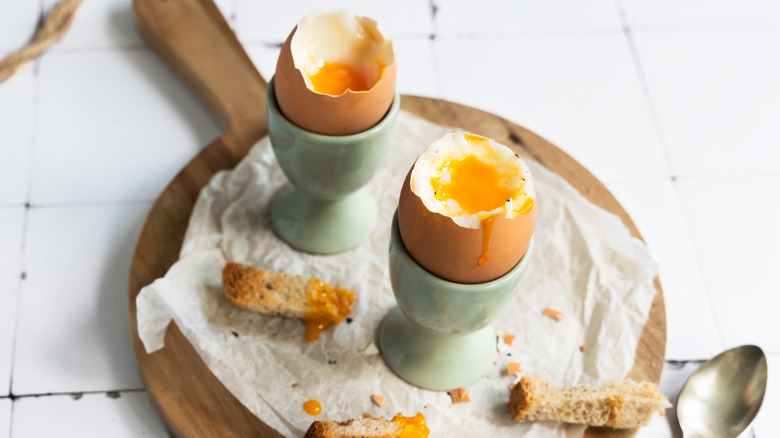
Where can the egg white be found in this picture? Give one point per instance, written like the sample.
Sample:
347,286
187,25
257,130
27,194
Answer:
340,36
430,164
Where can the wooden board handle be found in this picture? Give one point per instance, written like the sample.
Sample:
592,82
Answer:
192,37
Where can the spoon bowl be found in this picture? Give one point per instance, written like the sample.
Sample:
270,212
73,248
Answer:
722,397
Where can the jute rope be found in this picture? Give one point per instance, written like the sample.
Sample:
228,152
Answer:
56,26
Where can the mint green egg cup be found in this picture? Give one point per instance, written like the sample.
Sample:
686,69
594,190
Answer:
326,208
440,335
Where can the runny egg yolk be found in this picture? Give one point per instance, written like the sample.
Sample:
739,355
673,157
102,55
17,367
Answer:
473,184
336,78
476,187
329,306
412,427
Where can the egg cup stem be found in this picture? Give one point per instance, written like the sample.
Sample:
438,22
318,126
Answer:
322,226
431,359
440,335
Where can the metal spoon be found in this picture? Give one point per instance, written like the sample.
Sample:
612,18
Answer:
722,397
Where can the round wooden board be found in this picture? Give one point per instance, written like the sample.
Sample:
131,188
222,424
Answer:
192,37
194,403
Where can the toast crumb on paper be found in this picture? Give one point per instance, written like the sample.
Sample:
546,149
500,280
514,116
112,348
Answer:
460,395
554,314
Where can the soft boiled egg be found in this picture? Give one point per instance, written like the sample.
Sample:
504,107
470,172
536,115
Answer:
467,209
336,73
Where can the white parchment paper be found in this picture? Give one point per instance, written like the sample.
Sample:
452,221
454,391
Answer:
585,264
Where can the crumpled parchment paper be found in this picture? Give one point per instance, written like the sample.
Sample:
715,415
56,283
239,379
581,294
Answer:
585,264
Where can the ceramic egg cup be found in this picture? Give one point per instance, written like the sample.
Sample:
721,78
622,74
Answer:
440,335
326,208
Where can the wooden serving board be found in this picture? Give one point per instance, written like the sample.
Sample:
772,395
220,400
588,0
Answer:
192,37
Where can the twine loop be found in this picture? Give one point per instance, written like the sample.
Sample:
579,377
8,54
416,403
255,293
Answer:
56,26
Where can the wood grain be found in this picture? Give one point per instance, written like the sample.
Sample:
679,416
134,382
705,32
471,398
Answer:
193,39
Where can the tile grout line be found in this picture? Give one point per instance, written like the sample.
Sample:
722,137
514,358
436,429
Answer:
697,27
112,393
645,86
130,47
88,204
667,157
432,49
26,217
530,34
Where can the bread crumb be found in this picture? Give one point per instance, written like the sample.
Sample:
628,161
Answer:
509,339
554,314
460,395
582,348
513,368
378,400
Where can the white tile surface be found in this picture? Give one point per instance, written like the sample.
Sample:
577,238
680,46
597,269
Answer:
416,71
716,94
135,127
506,17
581,93
5,418
736,233
697,13
11,228
73,333
264,57
17,96
654,206
99,24
228,9
270,21
94,415
18,20
767,422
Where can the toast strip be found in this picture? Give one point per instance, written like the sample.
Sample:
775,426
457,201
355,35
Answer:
315,302
369,427
619,405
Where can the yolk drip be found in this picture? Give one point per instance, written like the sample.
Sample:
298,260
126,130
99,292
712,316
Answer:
329,306
335,79
312,407
487,230
413,427
476,187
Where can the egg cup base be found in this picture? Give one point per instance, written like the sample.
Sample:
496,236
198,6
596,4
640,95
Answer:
322,226
431,359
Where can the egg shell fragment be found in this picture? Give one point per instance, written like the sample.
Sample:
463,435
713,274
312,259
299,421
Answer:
346,114
452,252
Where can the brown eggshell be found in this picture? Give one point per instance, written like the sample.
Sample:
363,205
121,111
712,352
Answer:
349,113
451,252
